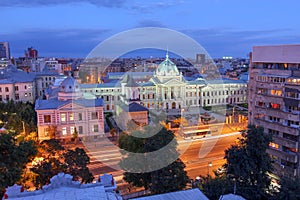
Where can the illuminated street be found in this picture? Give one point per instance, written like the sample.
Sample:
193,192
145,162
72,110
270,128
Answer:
194,165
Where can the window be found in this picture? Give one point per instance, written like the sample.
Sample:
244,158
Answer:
292,95
276,92
72,129
273,145
7,97
0,97
274,105
25,87
71,117
47,119
6,89
64,131
16,88
63,117
80,129
95,128
46,132
94,115
80,116
0,89
17,97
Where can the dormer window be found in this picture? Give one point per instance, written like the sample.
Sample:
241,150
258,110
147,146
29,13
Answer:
70,87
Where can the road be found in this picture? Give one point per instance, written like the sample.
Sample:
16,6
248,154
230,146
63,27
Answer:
211,151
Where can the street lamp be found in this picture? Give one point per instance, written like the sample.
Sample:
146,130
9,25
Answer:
209,166
181,114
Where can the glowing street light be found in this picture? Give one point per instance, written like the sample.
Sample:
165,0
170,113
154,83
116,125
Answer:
209,166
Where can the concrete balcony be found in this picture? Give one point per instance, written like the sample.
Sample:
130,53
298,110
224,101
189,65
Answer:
284,170
286,142
276,126
287,156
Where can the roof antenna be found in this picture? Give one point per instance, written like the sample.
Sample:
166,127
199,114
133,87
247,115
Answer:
167,55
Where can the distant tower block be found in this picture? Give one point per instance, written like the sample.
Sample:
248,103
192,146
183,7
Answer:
200,58
4,50
31,53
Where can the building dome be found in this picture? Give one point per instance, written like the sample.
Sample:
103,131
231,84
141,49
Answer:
167,68
69,85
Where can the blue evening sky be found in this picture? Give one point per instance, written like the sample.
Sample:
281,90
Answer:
72,28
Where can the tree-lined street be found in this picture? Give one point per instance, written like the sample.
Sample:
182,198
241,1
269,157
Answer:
195,166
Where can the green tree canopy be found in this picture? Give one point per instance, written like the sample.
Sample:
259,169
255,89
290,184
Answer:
13,159
248,162
57,159
166,179
247,168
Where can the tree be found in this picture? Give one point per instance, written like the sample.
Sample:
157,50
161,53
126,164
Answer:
180,121
77,161
213,188
166,179
75,135
289,188
13,158
57,159
248,163
51,152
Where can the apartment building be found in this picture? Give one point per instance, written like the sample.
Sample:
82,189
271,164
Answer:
274,102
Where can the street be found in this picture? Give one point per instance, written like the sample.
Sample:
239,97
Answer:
196,166
201,156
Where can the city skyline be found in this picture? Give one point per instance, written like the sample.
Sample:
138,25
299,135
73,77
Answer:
72,28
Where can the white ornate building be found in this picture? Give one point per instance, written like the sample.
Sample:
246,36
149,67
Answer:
168,90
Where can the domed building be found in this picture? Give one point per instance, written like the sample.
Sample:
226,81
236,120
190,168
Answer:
168,90
167,68
65,114
69,89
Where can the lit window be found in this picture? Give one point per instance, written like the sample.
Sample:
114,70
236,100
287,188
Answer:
64,131
72,129
276,92
274,145
71,116
46,131
63,117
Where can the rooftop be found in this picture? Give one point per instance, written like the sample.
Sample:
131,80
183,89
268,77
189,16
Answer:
193,194
55,103
62,187
276,54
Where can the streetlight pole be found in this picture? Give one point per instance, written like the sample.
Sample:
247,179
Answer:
209,166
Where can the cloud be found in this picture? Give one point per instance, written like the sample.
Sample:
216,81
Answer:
57,43
33,3
153,6
137,6
150,23
230,42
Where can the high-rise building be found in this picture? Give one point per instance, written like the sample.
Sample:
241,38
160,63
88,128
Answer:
31,53
274,102
200,58
4,50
